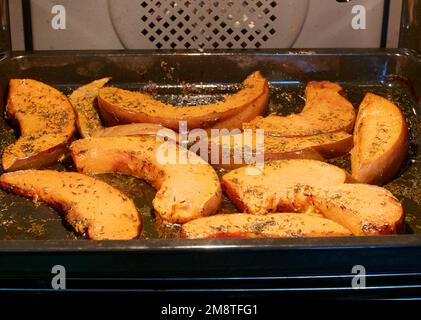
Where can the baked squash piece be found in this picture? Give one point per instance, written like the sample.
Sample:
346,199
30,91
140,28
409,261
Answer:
118,106
317,147
46,121
84,102
314,186
278,225
325,110
380,140
90,205
188,187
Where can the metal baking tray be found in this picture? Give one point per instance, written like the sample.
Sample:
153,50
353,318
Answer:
33,237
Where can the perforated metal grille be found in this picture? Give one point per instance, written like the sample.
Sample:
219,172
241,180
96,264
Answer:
208,24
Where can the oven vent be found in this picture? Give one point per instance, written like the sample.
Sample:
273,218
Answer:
209,24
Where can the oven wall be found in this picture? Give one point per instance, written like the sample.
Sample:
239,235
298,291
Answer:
112,24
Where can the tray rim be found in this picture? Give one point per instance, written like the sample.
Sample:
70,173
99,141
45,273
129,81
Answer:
329,243
292,51
410,53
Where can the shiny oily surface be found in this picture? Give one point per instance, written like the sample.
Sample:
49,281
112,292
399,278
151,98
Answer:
20,218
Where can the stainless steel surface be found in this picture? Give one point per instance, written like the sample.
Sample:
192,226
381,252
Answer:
208,24
5,44
410,32
393,30
329,25
109,24
16,25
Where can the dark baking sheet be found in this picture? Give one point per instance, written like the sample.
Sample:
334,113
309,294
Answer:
290,268
186,79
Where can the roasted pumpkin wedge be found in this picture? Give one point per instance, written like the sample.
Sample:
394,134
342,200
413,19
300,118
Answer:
84,102
118,106
381,140
325,110
188,187
279,225
316,147
258,193
90,206
46,121
363,209
136,129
